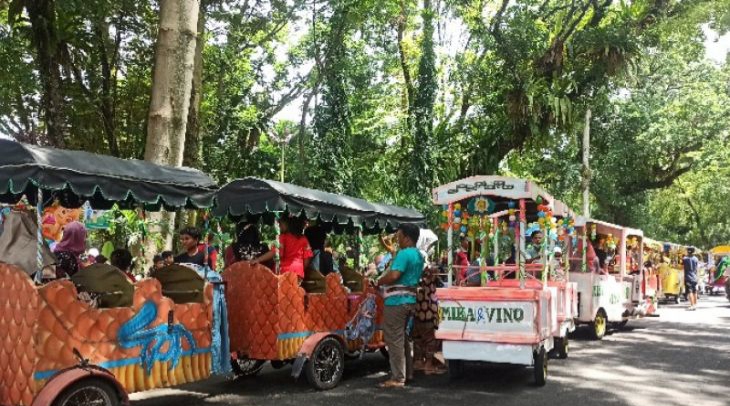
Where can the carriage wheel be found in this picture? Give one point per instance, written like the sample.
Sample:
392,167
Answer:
599,325
541,367
562,347
88,392
326,365
245,367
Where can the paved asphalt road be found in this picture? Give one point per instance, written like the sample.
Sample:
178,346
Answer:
680,358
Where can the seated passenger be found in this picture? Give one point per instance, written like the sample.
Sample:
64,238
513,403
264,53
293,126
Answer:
247,247
462,260
592,260
294,250
556,265
69,250
122,259
601,253
168,257
194,251
322,260
533,252
212,252
158,262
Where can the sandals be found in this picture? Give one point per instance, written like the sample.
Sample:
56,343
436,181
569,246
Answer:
437,370
391,384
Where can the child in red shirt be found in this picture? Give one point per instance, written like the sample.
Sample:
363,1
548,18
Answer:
462,260
294,250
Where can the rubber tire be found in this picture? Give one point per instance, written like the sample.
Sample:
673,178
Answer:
562,347
249,372
540,371
601,319
101,384
622,324
309,368
456,369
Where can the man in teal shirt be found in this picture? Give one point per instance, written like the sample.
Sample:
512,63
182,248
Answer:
401,283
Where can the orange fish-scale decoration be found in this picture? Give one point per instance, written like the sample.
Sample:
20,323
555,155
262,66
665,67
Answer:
251,293
66,324
18,315
263,307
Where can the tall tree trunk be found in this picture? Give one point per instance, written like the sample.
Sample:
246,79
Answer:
171,84
42,15
172,81
191,156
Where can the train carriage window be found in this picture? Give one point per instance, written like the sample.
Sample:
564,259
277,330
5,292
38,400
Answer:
180,283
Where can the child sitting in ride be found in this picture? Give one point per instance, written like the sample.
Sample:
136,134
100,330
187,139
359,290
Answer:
294,250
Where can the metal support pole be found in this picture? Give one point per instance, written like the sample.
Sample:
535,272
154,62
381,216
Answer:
495,254
450,244
586,184
520,239
567,250
547,255
622,252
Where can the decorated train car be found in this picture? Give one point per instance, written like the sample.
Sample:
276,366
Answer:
315,323
58,348
719,275
610,276
95,337
522,305
652,259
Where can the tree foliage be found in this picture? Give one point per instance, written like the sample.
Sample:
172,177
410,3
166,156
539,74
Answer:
385,99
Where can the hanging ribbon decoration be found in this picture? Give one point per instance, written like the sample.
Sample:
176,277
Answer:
39,236
143,230
358,246
277,244
206,234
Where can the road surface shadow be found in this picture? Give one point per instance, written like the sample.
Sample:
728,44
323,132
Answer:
677,359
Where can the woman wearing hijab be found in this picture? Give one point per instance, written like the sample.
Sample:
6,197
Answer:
68,251
247,247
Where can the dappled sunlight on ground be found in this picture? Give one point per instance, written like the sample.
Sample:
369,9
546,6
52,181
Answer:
680,358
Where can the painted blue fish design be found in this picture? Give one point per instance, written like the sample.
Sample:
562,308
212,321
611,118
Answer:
134,333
